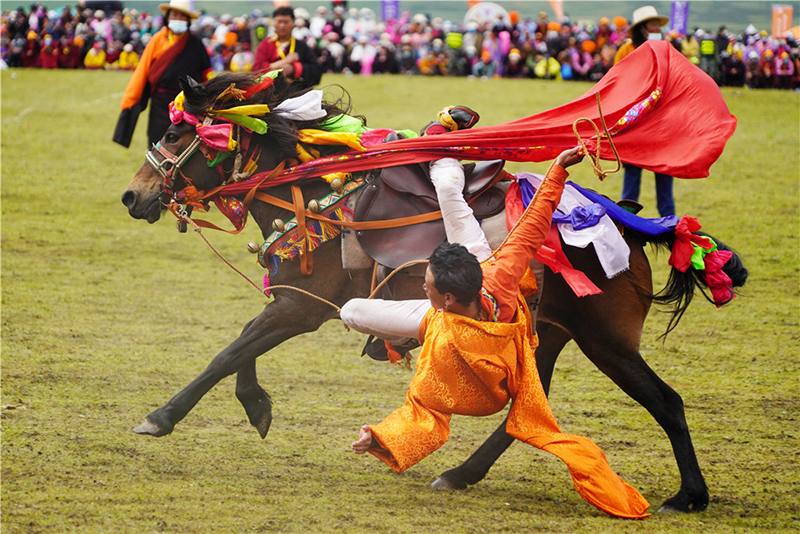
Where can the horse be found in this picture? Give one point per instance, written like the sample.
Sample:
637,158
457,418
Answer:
610,341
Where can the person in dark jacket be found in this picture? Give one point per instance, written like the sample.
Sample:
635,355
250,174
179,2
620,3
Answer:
172,53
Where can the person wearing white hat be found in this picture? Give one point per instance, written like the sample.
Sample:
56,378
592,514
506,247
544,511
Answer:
172,53
645,26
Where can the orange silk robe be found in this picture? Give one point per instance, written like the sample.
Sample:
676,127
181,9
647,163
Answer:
470,367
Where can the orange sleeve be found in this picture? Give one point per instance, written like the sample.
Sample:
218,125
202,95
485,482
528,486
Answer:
502,278
158,43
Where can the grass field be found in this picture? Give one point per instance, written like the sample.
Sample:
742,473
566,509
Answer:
104,318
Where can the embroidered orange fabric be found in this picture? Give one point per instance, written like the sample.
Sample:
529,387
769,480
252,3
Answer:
470,367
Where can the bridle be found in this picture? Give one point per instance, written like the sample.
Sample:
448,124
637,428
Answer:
168,167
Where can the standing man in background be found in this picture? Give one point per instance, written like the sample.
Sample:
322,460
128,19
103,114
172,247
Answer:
172,53
646,26
282,51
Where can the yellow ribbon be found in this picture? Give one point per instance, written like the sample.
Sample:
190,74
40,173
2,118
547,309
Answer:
321,137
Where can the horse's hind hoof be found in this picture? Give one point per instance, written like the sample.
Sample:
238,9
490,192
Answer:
445,482
151,429
683,504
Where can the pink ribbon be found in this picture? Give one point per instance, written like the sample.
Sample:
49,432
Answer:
717,280
214,136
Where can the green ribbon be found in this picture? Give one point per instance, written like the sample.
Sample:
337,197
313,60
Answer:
698,258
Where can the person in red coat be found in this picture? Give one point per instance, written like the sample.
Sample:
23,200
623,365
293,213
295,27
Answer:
49,56
282,51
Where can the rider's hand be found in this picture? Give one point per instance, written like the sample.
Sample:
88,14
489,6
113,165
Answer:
569,157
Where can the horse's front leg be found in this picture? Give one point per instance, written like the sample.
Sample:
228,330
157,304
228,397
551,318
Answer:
281,320
257,402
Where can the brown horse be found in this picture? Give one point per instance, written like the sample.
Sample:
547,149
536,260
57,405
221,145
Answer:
610,341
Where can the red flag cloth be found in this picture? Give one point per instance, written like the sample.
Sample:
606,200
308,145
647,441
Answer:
664,114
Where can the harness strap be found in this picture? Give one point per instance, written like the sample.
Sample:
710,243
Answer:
306,261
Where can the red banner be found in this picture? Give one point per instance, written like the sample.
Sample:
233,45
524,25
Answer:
665,115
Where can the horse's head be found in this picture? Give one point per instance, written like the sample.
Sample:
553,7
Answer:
194,151
163,175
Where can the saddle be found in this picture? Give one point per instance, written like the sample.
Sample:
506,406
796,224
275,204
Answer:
407,191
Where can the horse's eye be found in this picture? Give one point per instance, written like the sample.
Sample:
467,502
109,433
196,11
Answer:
170,137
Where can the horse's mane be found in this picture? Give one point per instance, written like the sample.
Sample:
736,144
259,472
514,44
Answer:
281,130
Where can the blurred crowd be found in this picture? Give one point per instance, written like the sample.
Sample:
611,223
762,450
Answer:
354,41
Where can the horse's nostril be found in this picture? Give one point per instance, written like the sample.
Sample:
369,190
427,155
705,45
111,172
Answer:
129,198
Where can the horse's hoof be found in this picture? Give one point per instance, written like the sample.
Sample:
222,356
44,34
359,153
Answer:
667,509
151,429
683,503
263,424
444,482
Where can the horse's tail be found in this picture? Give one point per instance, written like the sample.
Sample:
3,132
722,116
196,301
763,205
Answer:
679,291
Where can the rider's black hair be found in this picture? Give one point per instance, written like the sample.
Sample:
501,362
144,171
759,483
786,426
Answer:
457,272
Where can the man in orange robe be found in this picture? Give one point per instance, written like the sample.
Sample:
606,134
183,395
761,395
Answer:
478,347
172,53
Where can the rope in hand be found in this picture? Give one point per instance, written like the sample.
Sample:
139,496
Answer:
595,158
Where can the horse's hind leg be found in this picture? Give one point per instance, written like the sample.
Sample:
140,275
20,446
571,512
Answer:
625,366
551,341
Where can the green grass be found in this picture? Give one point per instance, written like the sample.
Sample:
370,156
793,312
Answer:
104,318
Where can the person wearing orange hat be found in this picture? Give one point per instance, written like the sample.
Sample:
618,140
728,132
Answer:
172,53
646,25
767,67
784,71
282,51
602,34
31,50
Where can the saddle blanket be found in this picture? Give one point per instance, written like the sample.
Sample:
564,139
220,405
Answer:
584,216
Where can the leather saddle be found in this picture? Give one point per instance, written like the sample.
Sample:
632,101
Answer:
407,191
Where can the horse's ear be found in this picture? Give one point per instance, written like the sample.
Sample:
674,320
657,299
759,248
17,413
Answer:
188,85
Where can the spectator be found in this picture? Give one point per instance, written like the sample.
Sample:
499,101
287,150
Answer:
128,58
767,69
70,56
784,71
96,57
732,69
172,52
690,48
30,50
282,51
709,57
752,74
48,57
243,58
